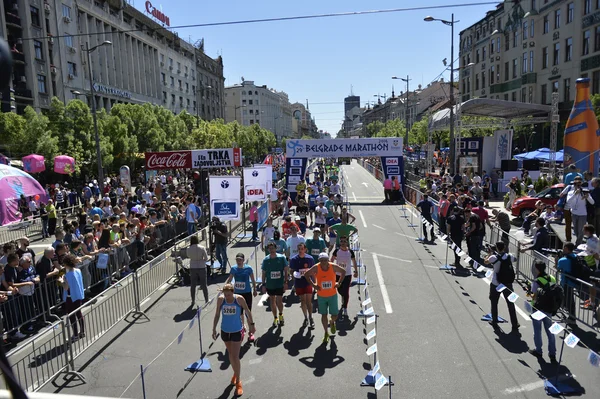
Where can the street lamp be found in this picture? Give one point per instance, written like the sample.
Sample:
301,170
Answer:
236,107
452,143
89,51
406,107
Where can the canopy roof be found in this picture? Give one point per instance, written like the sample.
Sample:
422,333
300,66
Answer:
506,112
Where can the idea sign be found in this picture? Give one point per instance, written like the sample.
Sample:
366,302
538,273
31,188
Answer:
168,160
255,193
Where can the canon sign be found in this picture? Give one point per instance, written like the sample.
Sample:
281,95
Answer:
157,14
168,160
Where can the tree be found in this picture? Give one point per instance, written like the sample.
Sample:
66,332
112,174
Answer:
12,133
38,137
373,128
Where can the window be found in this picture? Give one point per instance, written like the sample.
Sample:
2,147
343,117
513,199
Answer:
164,96
477,56
525,30
492,44
568,49
172,98
544,94
69,41
567,94
163,77
35,20
524,64
555,86
179,66
188,102
506,97
162,58
597,4
531,61
187,87
533,5
250,102
531,28
546,24
506,71
514,96
595,82
545,58
483,79
66,10
172,81
492,74
585,47
251,112
72,68
523,95
498,44
570,12
484,52
556,54
194,89
557,19
170,61
515,38
506,42
587,7
194,104
186,69
597,38
515,68
41,79
37,45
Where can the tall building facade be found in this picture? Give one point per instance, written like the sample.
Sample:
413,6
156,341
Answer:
303,119
143,63
248,104
524,51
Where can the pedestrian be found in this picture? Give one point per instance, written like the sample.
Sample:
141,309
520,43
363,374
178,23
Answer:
191,216
387,189
73,295
443,213
198,258
253,217
503,277
267,234
52,218
456,225
540,288
219,230
325,284
245,283
425,206
568,281
503,221
474,235
577,198
275,275
300,264
231,306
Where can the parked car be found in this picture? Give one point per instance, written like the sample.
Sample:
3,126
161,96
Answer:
525,205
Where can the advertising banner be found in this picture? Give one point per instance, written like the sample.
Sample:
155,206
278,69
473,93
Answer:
503,145
344,148
168,160
217,158
393,166
263,214
125,175
295,170
225,197
255,184
269,172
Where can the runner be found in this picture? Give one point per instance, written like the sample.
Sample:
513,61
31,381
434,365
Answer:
344,257
332,236
267,234
292,242
320,216
243,274
312,205
301,263
325,285
279,242
343,229
232,331
315,245
274,274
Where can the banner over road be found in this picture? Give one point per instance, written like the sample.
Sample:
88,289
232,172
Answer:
344,148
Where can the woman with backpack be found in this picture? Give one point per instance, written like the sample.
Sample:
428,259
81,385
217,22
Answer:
504,274
547,297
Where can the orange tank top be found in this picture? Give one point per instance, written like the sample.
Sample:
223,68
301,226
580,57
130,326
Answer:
326,280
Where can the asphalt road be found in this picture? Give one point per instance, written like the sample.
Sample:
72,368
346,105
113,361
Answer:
429,334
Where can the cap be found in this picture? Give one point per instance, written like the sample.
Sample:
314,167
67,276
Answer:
317,229
530,186
323,255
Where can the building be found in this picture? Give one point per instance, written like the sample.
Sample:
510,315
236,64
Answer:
524,51
304,122
142,63
249,104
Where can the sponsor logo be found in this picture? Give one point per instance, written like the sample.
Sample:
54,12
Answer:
391,161
224,208
393,170
255,192
224,184
168,160
297,162
157,14
255,173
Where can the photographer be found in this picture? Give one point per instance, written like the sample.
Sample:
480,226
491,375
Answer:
221,238
576,199
504,274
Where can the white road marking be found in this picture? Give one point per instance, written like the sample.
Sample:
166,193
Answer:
263,299
255,361
379,227
407,236
384,293
432,267
365,184
520,311
144,301
354,196
525,387
362,218
349,184
394,258
250,380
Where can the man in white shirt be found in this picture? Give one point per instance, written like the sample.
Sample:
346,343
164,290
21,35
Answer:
345,257
576,204
335,188
476,179
321,216
501,261
292,242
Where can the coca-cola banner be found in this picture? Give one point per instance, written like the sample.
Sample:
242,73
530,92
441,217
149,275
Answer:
217,158
169,160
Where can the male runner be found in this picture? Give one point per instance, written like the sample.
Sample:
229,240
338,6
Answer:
300,264
344,257
325,285
274,274
343,230
315,245
292,242
243,274
332,236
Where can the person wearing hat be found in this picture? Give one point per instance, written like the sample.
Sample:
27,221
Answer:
315,245
323,279
531,191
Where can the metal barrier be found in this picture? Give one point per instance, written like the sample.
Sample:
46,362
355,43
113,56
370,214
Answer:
31,226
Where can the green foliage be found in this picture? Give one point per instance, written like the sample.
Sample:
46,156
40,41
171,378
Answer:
540,184
374,128
124,133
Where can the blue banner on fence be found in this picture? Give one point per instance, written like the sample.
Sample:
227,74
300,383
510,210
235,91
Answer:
263,214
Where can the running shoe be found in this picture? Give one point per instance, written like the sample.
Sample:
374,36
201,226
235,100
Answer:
275,322
333,328
238,389
326,338
281,321
305,322
311,323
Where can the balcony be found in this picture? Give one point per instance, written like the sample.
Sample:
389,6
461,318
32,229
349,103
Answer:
19,92
13,20
18,57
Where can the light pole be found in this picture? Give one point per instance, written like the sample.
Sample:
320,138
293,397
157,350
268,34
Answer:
236,107
450,23
89,52
406,108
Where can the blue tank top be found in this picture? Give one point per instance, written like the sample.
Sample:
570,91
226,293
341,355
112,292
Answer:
232,316
242,279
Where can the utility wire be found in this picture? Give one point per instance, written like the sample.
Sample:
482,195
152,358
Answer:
278,19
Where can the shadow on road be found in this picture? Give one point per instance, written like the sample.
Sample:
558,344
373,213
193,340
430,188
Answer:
323,359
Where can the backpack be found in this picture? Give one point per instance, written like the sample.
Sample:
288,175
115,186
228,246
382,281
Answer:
549,296
506,274
579,268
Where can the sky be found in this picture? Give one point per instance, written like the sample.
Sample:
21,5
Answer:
323,60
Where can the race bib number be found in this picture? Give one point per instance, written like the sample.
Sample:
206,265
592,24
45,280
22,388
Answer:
275,275
302,271
240,285
229,310
326,285
315,251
